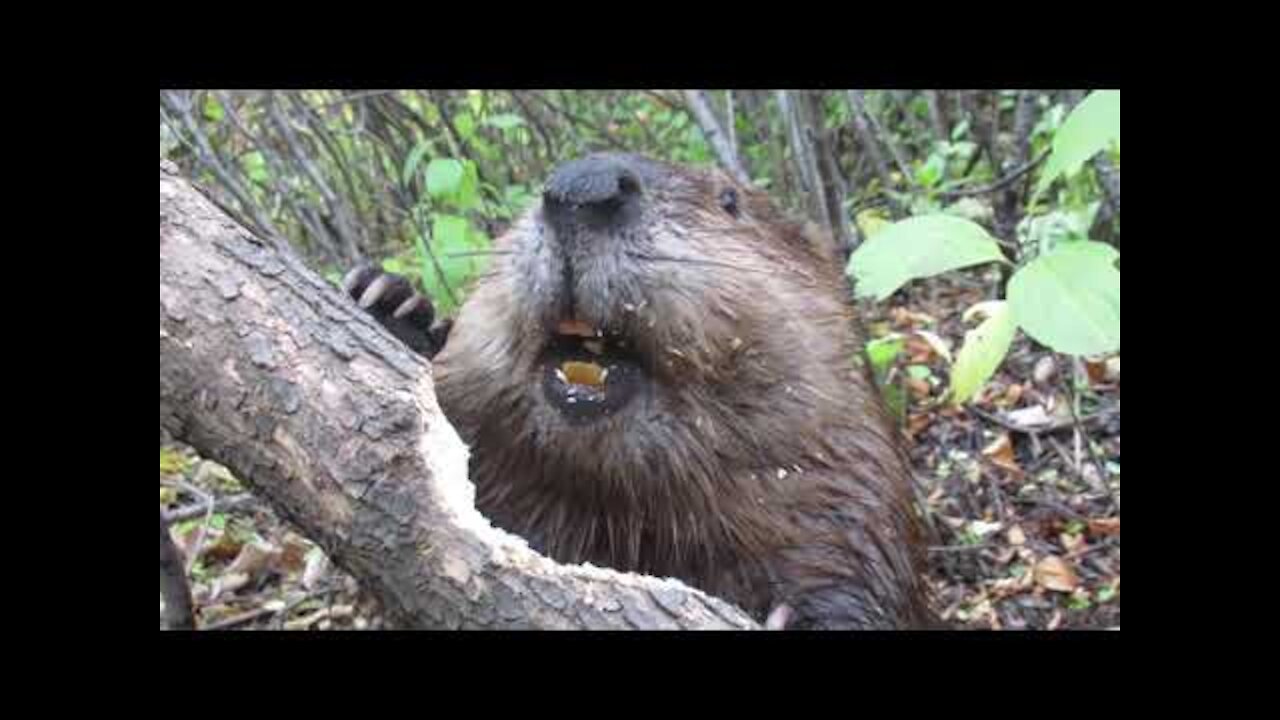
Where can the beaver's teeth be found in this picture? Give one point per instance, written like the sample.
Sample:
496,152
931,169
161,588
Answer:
583,373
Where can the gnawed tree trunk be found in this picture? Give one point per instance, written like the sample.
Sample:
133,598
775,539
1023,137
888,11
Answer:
271,371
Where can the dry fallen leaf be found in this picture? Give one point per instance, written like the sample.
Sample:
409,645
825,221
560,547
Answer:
1053,573
936,344
1096,370
917,422
1103,527
228,583
1044,370
1000,452
919,388
254,557
982,528
293,553
316,569
221,546
1012,395
1029,418
1016,536
1055,621
1072,543
918,350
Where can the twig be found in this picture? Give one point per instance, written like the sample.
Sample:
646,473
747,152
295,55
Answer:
207,500
962,548
1098,464
195,510
701,109
179,105
859,108
1000,184
254,614
664,100
1048,428
357,96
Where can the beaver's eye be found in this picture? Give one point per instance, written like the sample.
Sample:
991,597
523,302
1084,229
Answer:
729,201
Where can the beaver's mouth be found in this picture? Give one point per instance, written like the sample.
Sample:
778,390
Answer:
588,374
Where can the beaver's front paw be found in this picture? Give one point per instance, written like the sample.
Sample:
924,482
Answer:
393,302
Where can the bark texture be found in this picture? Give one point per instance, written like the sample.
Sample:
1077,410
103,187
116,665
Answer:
271,371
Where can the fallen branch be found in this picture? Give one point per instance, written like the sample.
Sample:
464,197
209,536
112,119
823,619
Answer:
270,371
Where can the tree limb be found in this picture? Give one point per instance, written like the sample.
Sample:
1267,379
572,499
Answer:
272,372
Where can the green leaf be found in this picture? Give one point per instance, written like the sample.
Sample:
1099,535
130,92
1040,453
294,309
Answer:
515,197
872,221
172,462
212,108
255,166
393,265
465,125
919,372
468,194
918,247
444,176
415,157
882,351
1069,298
930,174
1090,128
895,399
982,352
504,121
449,233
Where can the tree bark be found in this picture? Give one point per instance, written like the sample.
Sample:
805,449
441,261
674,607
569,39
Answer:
271,371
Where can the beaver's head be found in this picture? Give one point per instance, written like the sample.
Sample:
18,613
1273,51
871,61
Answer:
649,317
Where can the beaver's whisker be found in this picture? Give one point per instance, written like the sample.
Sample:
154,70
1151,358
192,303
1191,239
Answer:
692,261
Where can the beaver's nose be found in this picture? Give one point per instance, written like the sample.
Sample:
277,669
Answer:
596,191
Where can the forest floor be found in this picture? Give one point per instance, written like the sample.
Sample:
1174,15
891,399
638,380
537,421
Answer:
1021,486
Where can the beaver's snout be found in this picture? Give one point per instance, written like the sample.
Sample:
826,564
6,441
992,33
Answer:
598,191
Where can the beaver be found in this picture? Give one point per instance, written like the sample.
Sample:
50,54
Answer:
660,373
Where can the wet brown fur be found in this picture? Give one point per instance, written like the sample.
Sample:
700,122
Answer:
763,468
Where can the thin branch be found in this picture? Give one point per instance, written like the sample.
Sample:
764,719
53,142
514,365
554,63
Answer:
937,115
179,105
868,139
999,184
199,508
859,107
701,109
